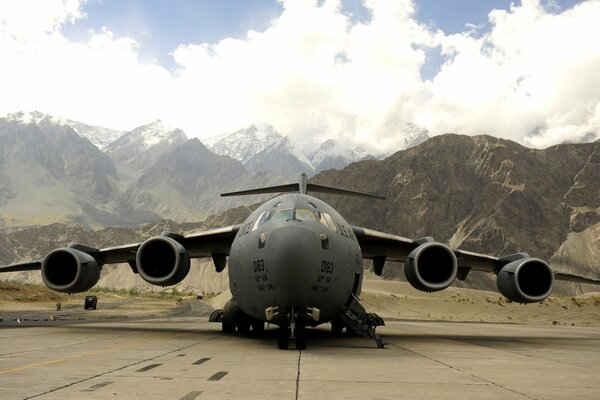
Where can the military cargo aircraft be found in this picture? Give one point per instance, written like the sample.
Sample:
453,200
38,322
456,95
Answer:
296,263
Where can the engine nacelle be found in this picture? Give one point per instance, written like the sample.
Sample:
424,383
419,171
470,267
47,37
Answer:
70,270
162,261
527,280
431,267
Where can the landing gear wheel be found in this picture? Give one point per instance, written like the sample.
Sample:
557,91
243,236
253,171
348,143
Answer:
336,327
283,340
227,327
258,327
300,338
351,332
243,327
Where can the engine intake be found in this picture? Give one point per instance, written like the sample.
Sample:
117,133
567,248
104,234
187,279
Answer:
431,267
162,261
68,270
527,280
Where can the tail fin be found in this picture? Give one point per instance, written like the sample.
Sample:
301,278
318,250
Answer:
303,187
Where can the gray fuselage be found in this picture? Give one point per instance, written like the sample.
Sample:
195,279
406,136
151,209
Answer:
295,251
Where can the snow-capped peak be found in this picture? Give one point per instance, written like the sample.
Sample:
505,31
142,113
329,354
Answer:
34,117
332,155
100,136
150,135
245,143
414,135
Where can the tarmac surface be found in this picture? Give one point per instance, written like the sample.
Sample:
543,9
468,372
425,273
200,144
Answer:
182,356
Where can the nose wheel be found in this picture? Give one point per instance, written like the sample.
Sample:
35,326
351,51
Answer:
300,333
297,333
283,340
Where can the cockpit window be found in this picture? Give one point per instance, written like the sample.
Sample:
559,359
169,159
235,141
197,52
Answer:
264,217
284,214
300,214
326,220
305,215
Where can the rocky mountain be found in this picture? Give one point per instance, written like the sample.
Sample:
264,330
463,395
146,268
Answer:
185,183
144,145
178,184
280,159
262,148
244,144
477,193
101,137
330,155
414,135
484,194
48,173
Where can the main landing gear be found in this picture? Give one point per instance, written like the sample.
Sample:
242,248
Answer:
243,323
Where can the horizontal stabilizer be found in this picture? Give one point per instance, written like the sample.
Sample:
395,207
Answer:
302,187
292,187
311,187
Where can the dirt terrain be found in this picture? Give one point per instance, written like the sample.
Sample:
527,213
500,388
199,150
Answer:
390,299
399,300
40,303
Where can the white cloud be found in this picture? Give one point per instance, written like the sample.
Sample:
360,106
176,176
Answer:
315,73
32,19
534,78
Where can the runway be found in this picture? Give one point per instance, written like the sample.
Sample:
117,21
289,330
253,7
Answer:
184,357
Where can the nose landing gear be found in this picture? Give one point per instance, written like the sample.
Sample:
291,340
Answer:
298,333
293,331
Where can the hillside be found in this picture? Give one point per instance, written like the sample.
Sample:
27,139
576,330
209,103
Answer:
478,193
484,194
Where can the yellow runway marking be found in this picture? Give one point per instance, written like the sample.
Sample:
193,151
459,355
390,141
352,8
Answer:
89,353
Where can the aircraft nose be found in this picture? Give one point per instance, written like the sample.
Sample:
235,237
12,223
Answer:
293,249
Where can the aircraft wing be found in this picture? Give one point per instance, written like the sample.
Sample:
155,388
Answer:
387,247
26,266
198,244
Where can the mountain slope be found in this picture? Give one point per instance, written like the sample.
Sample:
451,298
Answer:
99,136
49,173
482,194
244,144
143,146
279,158
478,193
330,155
182,184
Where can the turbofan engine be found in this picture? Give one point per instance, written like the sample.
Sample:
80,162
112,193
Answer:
431,267
162,261
527,280
69,270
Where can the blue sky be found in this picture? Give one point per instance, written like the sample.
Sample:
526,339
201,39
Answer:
360,73
159,26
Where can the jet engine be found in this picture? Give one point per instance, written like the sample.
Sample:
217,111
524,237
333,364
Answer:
431,267
162,261
527,280
69,270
